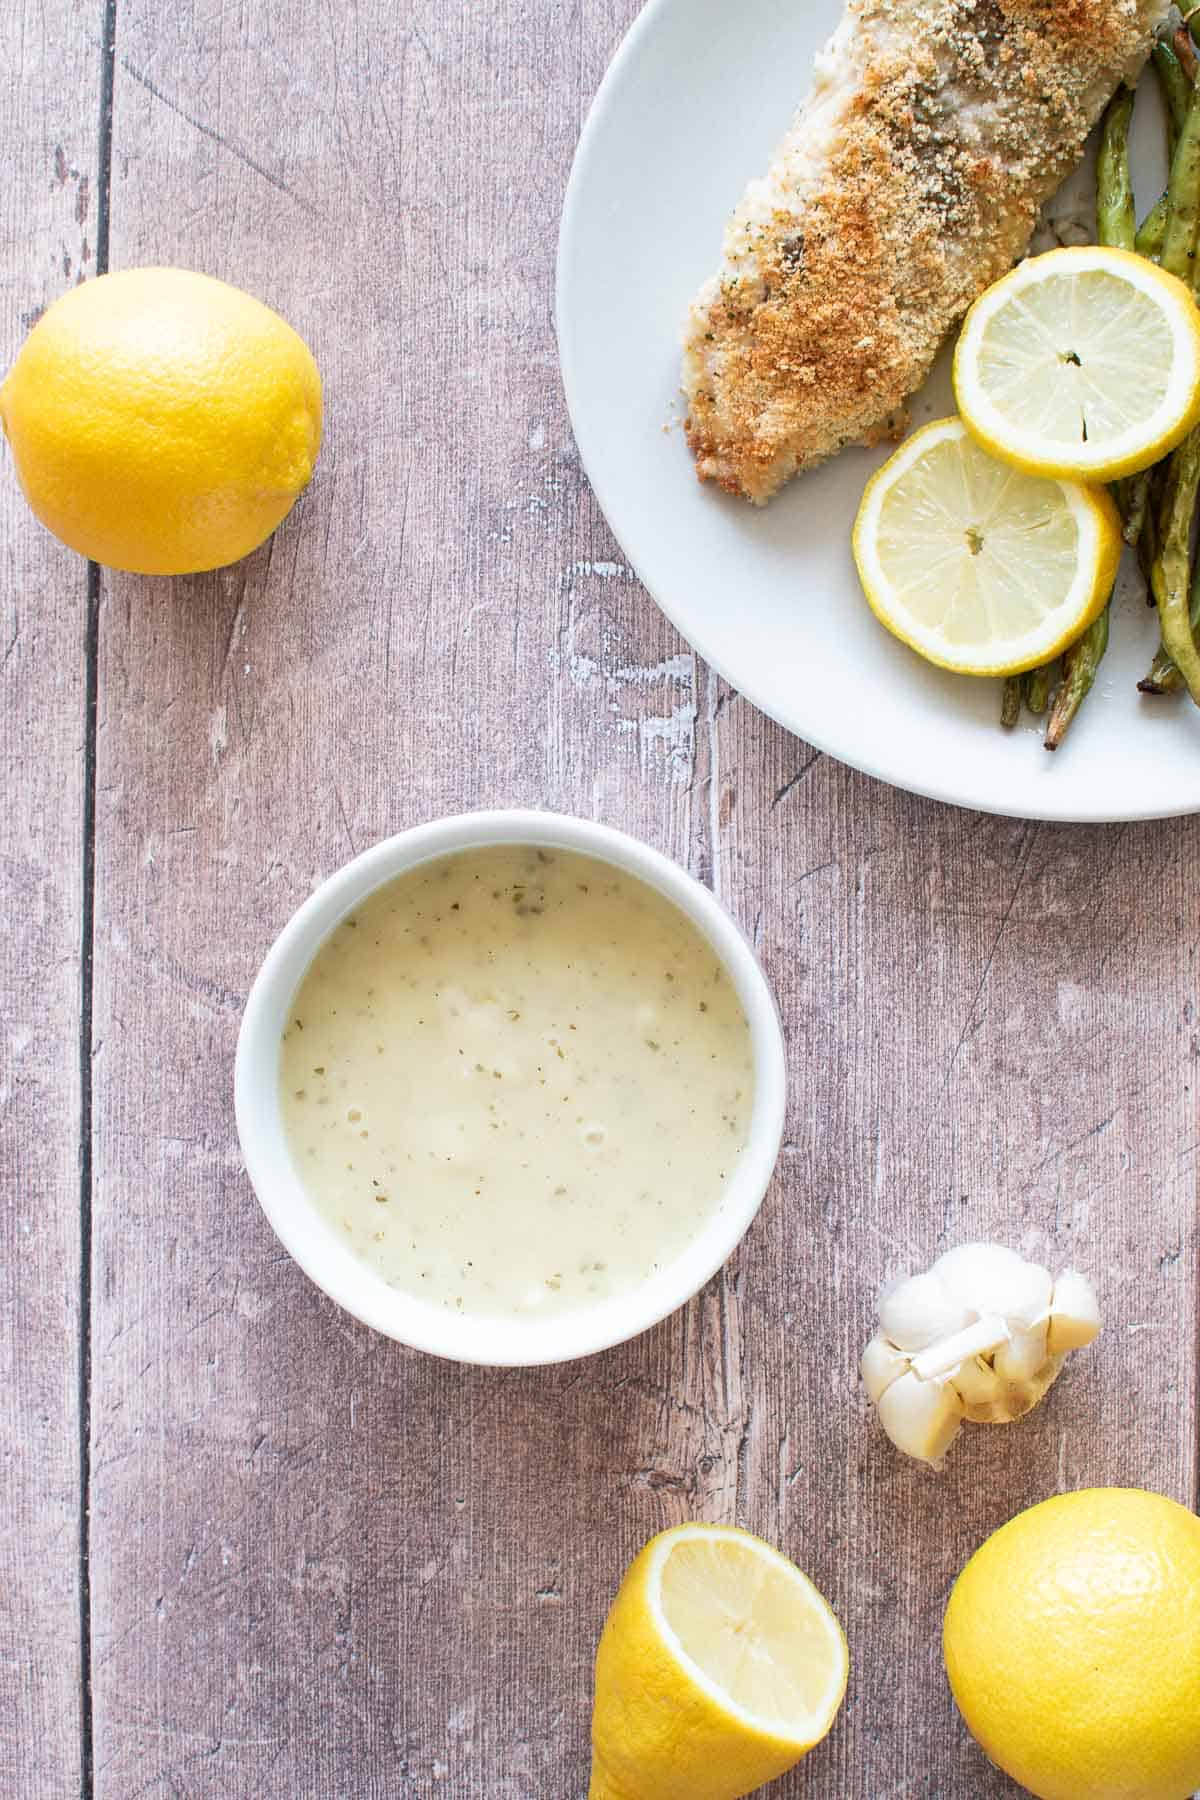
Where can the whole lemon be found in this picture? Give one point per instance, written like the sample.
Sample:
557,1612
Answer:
162,421
1072,1643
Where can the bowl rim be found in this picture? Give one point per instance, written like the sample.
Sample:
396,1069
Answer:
311,1241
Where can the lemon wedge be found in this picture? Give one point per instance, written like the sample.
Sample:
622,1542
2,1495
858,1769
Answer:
1082,363
719,1667
977,566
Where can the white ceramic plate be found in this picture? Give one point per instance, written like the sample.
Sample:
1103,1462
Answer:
691,107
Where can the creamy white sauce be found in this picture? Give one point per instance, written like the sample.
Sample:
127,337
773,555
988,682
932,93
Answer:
516,1081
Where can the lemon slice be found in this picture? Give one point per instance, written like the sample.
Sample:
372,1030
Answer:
977,566
719,1666
1083,363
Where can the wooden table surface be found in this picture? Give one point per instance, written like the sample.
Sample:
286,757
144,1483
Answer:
251,1548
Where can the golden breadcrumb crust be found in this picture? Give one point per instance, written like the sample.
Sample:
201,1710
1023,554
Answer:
959,118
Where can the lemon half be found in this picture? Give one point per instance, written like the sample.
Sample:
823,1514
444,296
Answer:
976,565
1082,363
1072,1644
719,1667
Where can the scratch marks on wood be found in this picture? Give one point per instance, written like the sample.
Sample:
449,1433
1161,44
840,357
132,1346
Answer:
1076,1143
64,173
970,1019
794,780
662,1397
401,530
237,630
218,997
659,1480
217,137
345,821
218,735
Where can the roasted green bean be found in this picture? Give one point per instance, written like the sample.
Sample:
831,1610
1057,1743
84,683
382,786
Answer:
1116,222
1171,569
1080,663
1038,683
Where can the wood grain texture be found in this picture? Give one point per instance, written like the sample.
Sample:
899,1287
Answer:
326,1568
49,102
992,1033
322,1566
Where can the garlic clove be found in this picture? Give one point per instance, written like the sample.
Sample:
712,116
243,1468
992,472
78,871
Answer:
881,1364
979,1386
1029,1296
990,1278
1074,1314
966,1262
1023,1355
1020,1397
922,1418
918,1311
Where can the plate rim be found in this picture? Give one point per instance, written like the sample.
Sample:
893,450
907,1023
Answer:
640,27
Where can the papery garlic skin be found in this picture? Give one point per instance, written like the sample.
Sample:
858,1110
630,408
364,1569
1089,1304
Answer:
980,1336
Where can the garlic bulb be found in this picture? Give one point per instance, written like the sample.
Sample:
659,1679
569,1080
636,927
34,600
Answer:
980,1336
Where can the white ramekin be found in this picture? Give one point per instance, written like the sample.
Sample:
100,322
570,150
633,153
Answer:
319,1250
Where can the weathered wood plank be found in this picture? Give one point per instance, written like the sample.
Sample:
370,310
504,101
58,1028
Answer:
325,1566
49,87
991,1030
321,1565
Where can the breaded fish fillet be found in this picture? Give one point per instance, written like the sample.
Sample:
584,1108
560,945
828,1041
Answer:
911,179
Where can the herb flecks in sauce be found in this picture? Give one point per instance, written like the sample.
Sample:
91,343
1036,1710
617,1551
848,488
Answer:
541,1082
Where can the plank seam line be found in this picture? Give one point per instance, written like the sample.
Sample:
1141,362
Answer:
108,45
